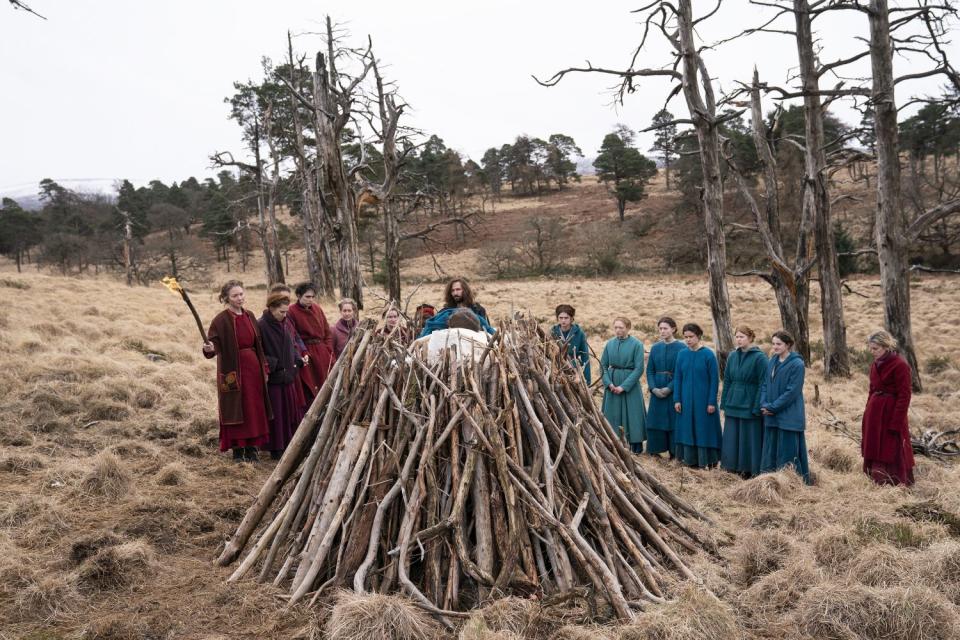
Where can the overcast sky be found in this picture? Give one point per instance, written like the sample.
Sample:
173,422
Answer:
109,89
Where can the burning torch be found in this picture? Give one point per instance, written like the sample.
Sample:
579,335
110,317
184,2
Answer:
174,286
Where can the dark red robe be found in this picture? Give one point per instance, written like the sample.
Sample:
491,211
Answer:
244,407
311,325
886,449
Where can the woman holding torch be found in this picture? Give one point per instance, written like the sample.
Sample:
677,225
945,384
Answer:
244,405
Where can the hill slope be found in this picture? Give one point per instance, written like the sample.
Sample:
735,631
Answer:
114,500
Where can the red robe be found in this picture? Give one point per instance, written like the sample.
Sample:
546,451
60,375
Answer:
244,407
886,449
311,325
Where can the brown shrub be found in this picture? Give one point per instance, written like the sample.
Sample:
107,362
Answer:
172,474
87,545
834,457
127,627
758,553
107,477
766,601
939,568
106,410
20,464
167,523
834,547
578,632
525,617
767,488
695,614
117,566
379,617
880,566
835,611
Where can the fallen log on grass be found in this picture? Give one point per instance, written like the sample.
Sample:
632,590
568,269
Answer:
463,480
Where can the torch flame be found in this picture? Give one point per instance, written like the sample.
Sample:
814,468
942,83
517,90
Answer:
172,284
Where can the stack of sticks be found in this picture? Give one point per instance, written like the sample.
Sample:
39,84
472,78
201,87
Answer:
461,481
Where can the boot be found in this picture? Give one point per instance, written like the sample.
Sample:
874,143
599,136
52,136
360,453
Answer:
238,454
250,455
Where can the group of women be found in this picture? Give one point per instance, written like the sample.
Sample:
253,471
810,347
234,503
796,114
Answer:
270,369
761,400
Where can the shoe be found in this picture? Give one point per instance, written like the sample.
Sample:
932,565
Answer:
250,455
238,454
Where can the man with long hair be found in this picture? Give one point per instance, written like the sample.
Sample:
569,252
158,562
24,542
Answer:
459,295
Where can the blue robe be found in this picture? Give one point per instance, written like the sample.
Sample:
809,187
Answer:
783,432
442,319
740,402
660,413
622,365
697,433
577,348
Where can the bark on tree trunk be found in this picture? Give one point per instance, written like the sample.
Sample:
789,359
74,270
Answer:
891,220
702,112
836,360
336,196
391,258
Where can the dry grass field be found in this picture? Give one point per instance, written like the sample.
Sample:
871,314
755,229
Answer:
114,500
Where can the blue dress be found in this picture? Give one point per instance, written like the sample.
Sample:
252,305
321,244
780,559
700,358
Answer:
740,401
783,432
660,413
622,365
697,433
577,347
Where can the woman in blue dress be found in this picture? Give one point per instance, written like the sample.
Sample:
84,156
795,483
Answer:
661,363
740,402
697,432
573,336
622,366
784,416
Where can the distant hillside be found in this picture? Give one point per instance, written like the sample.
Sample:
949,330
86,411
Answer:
27,194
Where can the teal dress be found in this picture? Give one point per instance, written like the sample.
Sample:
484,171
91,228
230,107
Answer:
697,432
740,402
660,413
577,348
783,432
622,366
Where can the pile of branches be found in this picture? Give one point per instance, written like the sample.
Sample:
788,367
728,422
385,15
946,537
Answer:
944,445
460,481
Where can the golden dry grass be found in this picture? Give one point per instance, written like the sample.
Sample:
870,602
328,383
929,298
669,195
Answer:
114,499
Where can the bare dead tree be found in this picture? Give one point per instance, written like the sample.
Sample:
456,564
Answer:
316,238
677,24
790,282
22,6
890,34
338,99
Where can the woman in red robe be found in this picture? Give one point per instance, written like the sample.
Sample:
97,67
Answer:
244,407
886,449
311,325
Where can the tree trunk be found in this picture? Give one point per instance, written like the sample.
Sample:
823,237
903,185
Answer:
836,360
891,222
391,257
336,196
276,266
788,284
702,113
269,263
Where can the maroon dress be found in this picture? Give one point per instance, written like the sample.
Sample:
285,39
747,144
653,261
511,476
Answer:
887,452
254,431
311,324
